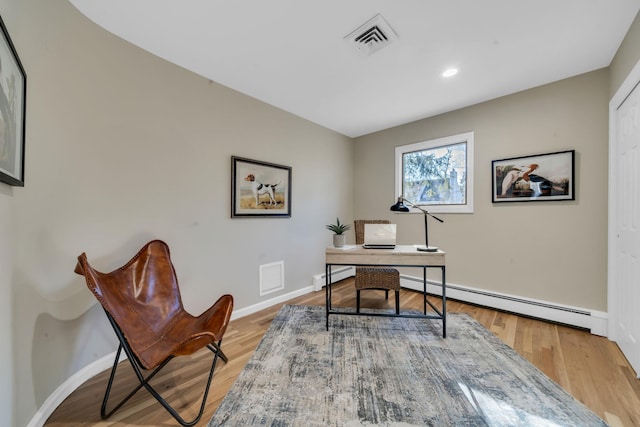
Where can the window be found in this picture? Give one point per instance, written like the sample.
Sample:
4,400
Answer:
437,175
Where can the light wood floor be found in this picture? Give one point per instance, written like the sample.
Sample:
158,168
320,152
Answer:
589,367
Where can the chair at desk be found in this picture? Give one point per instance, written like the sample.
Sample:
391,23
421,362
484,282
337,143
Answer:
375,277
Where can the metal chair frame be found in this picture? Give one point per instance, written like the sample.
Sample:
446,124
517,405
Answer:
144,381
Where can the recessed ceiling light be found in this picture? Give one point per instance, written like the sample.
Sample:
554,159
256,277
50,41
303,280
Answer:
450,72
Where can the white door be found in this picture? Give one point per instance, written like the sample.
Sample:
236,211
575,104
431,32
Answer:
625,308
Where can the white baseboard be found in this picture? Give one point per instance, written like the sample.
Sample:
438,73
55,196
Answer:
268,303
595,321
65,389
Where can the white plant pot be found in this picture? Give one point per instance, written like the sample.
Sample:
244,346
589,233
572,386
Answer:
339,240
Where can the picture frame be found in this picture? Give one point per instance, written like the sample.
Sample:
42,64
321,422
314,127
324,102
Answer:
540,177
260,189
13,94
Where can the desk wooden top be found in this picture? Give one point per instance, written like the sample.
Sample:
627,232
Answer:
401,255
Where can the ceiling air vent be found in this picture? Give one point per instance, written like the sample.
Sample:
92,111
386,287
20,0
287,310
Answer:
372,36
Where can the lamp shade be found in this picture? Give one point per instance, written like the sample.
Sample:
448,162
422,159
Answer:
399,206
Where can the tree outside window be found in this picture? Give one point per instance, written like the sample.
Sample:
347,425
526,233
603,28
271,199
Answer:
435,174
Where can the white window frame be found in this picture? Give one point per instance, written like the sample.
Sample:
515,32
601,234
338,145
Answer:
434,144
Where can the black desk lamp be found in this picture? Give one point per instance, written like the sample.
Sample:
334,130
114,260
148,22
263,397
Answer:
400,207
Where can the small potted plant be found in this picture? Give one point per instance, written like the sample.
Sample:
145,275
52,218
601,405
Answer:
338,230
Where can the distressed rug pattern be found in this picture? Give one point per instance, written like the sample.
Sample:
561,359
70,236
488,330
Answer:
379,371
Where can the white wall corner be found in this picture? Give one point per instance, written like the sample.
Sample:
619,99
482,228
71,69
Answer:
599,323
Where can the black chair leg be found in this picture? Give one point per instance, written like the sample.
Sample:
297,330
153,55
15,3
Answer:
144,381
386,294
397,302
358,301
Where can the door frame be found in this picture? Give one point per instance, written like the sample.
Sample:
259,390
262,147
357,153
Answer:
630,82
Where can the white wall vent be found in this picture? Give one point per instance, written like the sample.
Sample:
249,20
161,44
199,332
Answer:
372,36
271,277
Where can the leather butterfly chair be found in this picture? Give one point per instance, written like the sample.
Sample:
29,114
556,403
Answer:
375,277
143,304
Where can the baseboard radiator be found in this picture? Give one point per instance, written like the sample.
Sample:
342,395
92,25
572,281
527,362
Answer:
337,274
592,320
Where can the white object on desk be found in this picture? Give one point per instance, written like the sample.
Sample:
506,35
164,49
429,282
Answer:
345,247
379,235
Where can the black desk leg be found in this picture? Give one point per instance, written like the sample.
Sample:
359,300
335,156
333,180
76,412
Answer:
424,289
444,303
327,288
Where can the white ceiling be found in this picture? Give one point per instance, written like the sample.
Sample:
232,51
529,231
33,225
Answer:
292,53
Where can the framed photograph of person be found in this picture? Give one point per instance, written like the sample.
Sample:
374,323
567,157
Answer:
13,93
541,177
260,189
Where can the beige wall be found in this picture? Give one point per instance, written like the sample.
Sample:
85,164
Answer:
6,307
552,251
123,147
626,58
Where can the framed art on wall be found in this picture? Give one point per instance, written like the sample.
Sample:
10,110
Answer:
13,91
259,189
541,177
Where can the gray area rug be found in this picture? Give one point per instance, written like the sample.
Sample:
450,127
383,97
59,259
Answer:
378,371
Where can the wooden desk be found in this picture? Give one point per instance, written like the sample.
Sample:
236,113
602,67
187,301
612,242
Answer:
401,256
